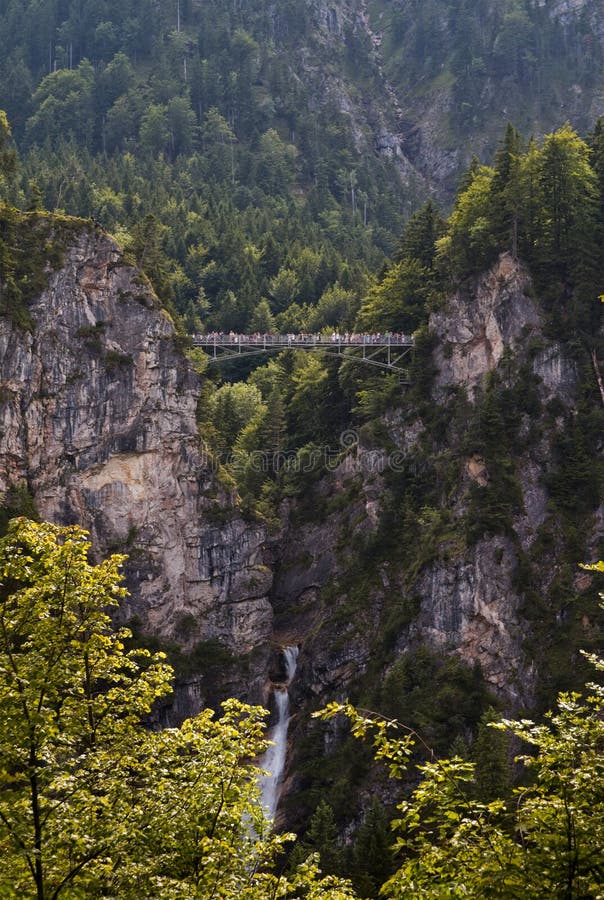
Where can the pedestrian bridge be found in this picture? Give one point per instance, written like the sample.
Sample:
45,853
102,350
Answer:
385,351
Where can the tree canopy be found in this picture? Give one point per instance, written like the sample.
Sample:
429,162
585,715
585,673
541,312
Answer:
93,801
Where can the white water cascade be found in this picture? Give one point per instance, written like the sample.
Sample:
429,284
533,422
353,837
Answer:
273,760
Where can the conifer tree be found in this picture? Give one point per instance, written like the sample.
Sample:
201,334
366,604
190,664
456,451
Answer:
372,857
569,195
505,194
531,207
262,320
596,144
322,837
421,232
491,755
8,155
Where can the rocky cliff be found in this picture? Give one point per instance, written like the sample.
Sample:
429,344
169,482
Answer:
98,419
445,77
454,539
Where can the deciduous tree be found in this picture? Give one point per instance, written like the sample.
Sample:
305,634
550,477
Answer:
93,803
547,842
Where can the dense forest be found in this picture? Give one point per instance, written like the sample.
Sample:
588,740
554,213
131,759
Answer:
230,148
183,131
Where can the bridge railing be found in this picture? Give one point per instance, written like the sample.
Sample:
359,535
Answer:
287,340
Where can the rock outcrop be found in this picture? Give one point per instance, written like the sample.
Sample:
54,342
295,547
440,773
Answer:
98,418
466,599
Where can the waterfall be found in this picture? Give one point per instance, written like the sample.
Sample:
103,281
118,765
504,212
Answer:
273,760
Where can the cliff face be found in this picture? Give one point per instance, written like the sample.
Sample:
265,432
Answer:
98,418
441,589
455,75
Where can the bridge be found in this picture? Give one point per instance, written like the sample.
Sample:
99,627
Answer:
385,351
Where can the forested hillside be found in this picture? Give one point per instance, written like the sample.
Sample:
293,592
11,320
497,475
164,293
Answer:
460,68
188,131
257,151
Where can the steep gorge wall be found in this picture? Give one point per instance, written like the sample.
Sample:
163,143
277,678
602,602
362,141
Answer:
458,595
97,417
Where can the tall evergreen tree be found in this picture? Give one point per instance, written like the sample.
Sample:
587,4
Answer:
372,858
322,837
505,190
420,235
8,155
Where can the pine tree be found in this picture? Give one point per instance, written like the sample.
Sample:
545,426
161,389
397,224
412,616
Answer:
372,857
420,235
569,196
146,246
505,194
491,753
530,225
596,144
8,155
262,320
322,837
468,177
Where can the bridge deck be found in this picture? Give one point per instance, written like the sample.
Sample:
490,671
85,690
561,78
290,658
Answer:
383,351
295,340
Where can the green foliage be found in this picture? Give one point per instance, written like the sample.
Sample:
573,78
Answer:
92,803
439,697
8,155
574,478
493,434
335,310
63,106
207,656
16,502
372,859
198,359
568,194
322,838
491,754
470,245
398,302
31,245
506,197
262,321
401,301
231,409
422,231
546,843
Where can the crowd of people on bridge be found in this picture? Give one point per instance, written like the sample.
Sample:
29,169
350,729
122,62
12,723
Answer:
335,337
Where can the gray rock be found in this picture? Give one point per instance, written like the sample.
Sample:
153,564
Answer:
98,417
